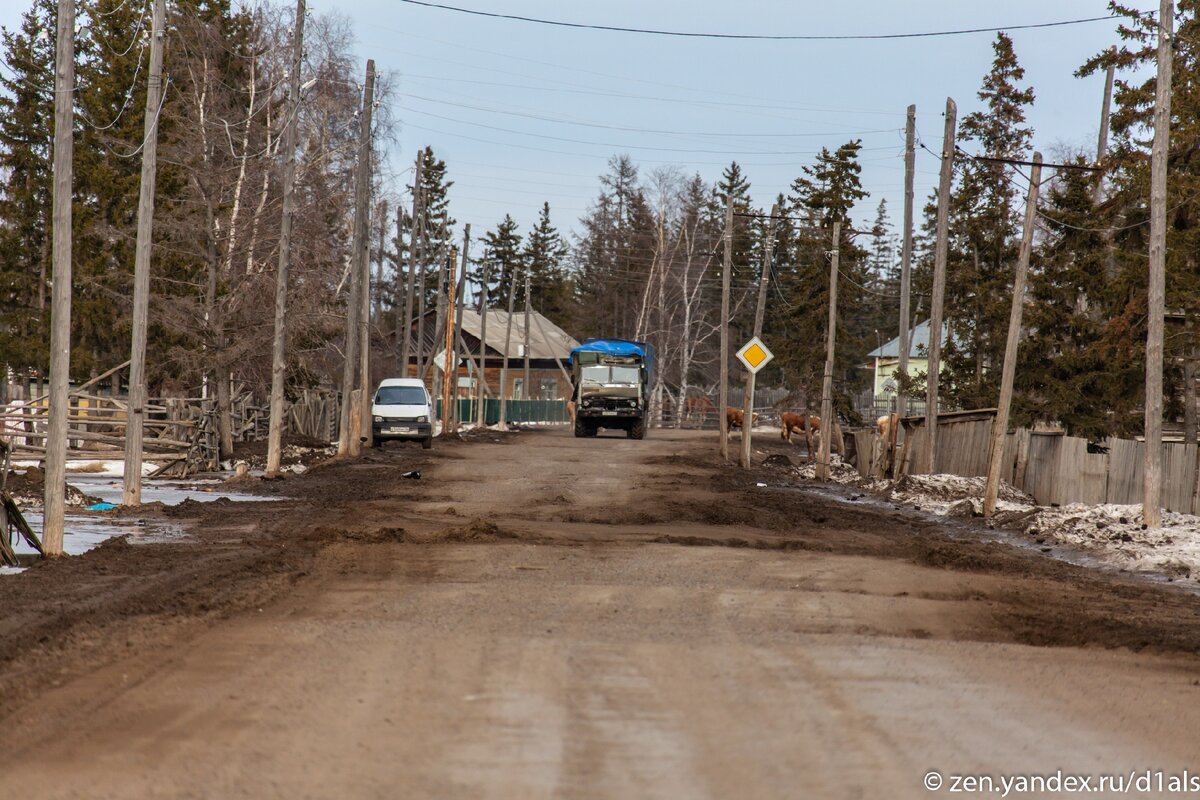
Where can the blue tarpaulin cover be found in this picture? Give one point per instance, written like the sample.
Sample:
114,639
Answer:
617,347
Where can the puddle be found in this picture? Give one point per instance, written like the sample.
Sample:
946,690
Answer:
167,492
85,531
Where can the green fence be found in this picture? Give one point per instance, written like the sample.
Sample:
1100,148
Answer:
545,411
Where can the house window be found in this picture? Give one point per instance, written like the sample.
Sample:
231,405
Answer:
549,389
518,392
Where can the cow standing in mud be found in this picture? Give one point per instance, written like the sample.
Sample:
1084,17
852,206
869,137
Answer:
810,426
736,418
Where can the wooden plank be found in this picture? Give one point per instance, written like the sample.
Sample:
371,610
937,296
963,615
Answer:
1124,471
1041,467
1179,476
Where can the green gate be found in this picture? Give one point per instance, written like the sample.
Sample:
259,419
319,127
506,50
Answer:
517,411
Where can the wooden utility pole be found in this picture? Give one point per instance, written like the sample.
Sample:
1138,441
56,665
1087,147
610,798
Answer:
398,293
377,291
450,364
526,393
906,248
279,343
406,348
364,277
759,314
827,421
458,315
1102,141
136,409
439,318
1152,469
481,418
512,295
423,284
939,288
1000,423
60,298
348,443
723,411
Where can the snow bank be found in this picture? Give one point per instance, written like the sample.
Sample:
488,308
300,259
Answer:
1112,533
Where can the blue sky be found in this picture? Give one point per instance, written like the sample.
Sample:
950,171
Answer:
524,113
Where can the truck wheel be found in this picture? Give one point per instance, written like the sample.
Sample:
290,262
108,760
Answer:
637,430
376,442
583,430
427,443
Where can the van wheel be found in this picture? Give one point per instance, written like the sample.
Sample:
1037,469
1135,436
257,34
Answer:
427,443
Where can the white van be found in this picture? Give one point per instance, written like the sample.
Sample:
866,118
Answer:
402,409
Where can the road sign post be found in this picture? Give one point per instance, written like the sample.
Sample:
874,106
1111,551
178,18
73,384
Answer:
754,355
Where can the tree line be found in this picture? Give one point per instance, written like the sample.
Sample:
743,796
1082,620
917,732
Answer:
645,261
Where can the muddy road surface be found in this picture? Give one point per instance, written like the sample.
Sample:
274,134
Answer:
540,616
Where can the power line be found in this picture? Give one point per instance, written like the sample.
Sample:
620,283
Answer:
587,124
751,36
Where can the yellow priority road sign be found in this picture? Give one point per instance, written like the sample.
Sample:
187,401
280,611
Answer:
754,354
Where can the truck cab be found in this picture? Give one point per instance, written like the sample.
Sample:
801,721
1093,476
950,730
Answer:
611,386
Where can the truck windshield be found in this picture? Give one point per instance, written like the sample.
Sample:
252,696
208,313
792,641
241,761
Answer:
400,396
609,375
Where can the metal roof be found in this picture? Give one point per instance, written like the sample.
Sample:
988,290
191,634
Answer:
546,340
918,339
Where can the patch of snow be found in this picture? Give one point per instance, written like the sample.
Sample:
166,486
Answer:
1112,533
108,467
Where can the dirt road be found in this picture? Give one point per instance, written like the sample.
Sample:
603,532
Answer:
540,616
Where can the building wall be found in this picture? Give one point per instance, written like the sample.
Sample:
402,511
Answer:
885,368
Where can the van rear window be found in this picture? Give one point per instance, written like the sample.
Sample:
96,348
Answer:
400,396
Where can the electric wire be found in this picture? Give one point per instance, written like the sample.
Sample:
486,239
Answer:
752,36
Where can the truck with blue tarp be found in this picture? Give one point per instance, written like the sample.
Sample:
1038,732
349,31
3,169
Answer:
611,380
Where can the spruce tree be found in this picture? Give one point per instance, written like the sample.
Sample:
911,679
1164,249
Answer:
502,254
1070,369
26,125
825,193
985,220
111,75
544,254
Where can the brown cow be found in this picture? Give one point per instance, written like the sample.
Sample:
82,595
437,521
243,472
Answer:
885,425
736,418
699,405
811,426
794,422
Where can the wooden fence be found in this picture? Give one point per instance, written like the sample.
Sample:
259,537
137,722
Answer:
1054,468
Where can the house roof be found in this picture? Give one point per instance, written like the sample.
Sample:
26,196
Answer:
546,340
918,339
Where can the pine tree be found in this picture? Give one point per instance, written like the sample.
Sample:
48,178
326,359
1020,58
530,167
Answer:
545,250
618,232
1125,208
435,189
985,220
26,126
825,193
111,75
1073,367
502,253
884,277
